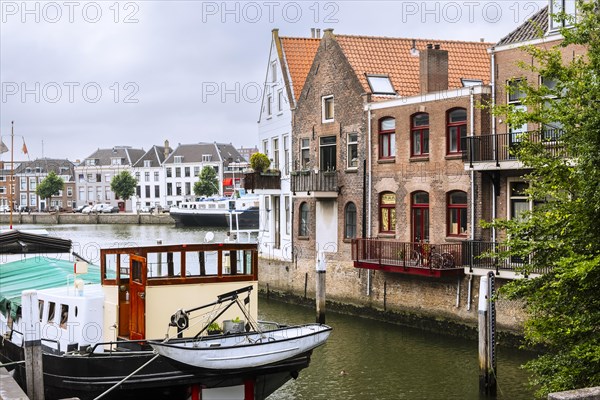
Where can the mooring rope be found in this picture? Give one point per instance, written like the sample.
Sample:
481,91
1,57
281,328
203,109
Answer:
127,377
12,363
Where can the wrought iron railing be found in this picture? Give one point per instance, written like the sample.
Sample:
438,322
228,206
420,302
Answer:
314,181
502,147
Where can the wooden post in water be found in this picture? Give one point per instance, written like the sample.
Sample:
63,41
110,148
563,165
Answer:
487,336
33,345
320,296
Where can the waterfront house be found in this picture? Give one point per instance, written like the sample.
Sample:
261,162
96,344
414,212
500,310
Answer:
184,164
290,59
29,174
150,174
95,172
489,152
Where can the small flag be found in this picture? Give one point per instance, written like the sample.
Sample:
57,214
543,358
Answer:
3,148
24,147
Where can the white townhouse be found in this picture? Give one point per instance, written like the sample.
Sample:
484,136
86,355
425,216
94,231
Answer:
289,62
150,175
94,174
183,165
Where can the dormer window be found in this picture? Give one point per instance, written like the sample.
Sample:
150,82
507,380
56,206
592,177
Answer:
466,82
558,7
327,110
206,157
116,161
28,170
147,163
178,159
90,162
381,84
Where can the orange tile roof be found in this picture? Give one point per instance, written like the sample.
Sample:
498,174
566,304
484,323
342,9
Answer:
391,56
299,54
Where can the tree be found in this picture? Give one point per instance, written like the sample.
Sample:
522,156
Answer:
207,184
50,186
123,185
562,232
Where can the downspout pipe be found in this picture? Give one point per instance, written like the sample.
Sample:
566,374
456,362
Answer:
472,172
493,82
369,166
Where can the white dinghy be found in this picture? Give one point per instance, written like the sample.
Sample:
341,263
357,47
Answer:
248,349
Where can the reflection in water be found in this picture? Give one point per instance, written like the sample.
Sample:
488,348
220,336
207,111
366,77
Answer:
363,359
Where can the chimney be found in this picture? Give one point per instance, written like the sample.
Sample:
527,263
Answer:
166,151
433,73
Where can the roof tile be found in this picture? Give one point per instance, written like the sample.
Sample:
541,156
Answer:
299,54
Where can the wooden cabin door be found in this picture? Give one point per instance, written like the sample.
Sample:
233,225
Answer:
137,287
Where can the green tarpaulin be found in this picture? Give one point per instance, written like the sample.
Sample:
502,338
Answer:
37,273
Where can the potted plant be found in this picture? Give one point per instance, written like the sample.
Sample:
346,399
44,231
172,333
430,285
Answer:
214,329
233,325
259,162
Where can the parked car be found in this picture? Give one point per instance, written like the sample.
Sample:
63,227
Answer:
110,209
4,208
98,208
24,209
86,210
79,209
146,209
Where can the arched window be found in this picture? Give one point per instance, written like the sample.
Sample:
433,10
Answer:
350,221
303,222
387,212
457,130
457,213
420,216
387,138
419,134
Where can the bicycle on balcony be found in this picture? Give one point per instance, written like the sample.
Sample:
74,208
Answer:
426,255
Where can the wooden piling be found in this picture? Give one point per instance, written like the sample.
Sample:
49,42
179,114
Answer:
305,284
33,345
487,329
321,268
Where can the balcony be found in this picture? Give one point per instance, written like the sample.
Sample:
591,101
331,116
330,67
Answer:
435,260
315,183
262,181
497,151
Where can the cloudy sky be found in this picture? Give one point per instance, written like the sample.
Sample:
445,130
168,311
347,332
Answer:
77,76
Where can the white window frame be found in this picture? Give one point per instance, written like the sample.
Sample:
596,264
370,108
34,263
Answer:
326,118
349,143
280,101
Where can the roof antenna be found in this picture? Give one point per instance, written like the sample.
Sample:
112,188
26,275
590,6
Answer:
413,50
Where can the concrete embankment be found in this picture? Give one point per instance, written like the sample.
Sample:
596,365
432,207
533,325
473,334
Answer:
76,218
9,389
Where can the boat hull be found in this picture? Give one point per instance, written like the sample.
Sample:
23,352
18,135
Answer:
247,350
86,376
247,219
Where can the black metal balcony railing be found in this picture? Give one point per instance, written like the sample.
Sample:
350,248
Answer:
257,180
468,254
501,147
314,181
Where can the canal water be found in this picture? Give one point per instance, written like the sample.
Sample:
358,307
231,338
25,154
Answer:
363,359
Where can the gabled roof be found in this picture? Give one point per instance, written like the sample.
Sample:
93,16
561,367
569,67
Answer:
45,165
156,156
298,56
533,28
392,57
128,155
192,153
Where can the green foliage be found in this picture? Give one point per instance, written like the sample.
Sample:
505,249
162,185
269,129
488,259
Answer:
214,327
208,183
562,232
50,186
123,185
259,162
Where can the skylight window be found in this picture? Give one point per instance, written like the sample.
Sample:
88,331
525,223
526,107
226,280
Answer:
466,82
380,84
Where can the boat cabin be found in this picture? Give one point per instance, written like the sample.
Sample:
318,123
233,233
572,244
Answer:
144,286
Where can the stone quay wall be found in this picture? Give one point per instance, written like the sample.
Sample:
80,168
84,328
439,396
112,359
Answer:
434,304
76,218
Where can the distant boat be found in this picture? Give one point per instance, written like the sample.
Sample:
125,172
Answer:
241,211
